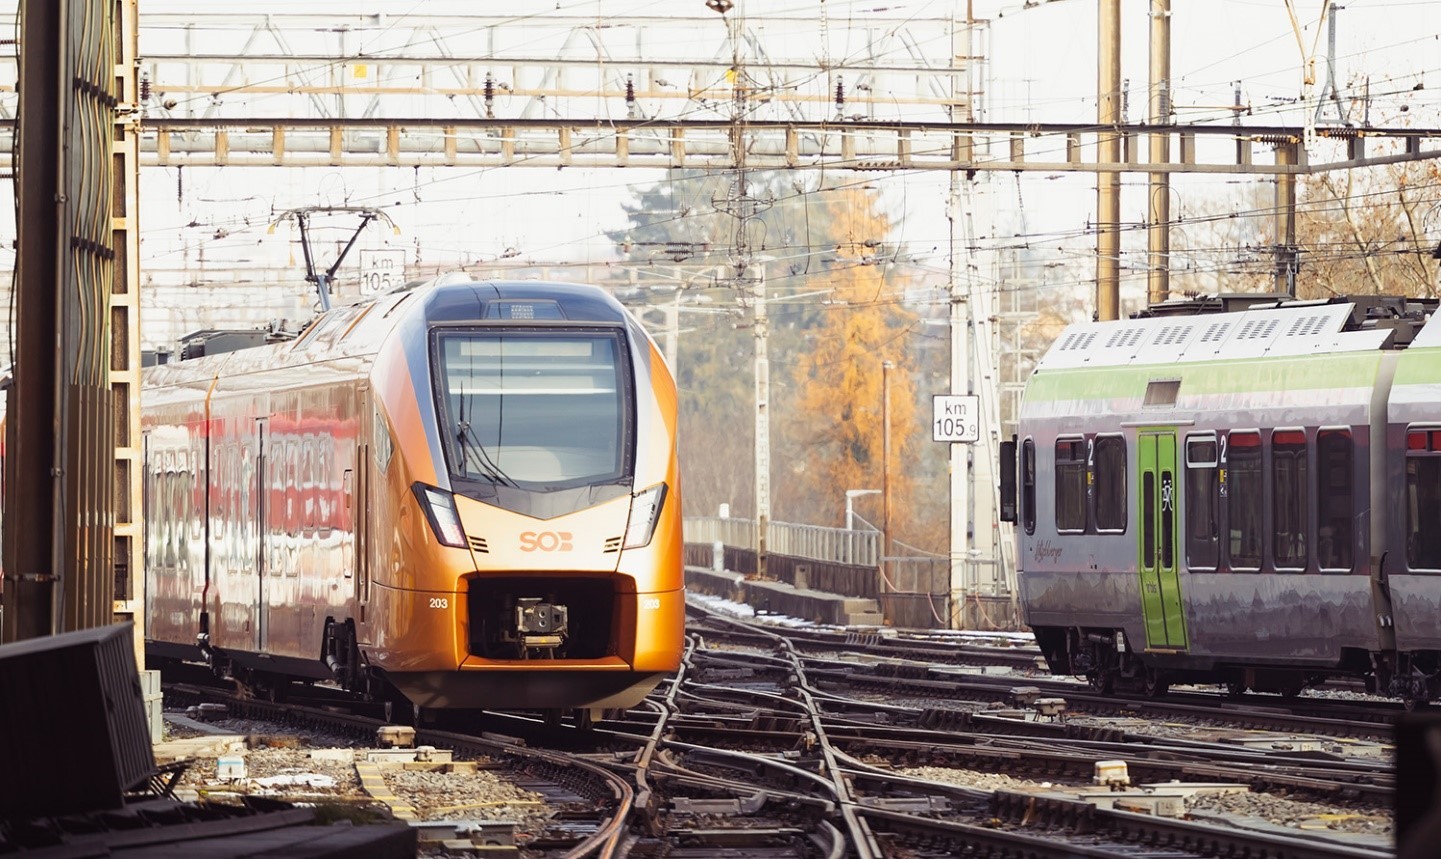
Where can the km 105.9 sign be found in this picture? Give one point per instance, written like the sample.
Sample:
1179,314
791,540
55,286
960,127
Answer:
956,417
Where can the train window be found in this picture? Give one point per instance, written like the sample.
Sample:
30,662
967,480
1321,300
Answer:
1148,519
1423,500
1111,483
1203,503
307,485
324,486
274,503
1290,507
1028,486
1168,520
1071,485
1335,509
292,504
1245,499
537,409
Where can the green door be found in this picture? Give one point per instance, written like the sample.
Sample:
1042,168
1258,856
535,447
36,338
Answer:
1160,585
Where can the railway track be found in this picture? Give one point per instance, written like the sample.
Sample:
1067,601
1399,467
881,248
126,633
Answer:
924,670
774,757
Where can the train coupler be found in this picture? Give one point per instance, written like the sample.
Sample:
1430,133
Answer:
539,624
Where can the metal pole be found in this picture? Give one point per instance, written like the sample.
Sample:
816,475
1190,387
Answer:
1108,185
1159,233
1343,113
34,452
1286,264
763,425
960,382
672,340
886,367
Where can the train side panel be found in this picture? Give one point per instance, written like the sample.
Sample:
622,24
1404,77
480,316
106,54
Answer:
1081,584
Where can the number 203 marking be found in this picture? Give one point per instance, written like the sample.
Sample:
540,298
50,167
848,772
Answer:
439,602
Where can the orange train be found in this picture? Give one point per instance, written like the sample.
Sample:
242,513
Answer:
465,494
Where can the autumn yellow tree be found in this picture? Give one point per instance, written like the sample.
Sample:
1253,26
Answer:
837,423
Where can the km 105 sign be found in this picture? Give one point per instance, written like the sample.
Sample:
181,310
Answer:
956,417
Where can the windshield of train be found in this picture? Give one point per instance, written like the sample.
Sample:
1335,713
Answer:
536,409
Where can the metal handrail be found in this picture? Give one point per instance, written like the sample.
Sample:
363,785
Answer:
817,542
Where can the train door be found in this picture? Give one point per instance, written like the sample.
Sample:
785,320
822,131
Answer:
149,515
1160,581
360,515
262,539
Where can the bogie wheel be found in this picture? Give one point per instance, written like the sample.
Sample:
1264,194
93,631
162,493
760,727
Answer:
1102,681
1154,685
1235,689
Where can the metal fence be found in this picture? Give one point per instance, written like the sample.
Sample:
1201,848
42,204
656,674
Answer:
836,545
916,591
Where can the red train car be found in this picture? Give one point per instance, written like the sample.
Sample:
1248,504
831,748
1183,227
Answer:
465,494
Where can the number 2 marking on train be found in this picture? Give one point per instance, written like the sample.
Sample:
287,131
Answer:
439,602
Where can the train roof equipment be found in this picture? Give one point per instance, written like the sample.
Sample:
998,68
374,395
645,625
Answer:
1232,327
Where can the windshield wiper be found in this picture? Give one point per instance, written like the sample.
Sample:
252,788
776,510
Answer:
471,450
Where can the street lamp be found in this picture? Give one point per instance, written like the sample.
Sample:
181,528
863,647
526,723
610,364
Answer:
851,496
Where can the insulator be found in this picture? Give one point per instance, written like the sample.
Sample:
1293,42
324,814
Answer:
489,94
145,88
629,90
840,93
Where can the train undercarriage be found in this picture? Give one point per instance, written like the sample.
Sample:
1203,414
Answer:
341,675
1106,659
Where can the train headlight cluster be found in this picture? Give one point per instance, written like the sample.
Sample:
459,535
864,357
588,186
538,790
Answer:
439,507
644,513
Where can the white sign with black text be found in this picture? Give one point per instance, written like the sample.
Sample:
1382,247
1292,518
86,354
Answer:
381,270
956,417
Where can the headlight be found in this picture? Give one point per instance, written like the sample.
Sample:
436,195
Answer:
644,513
439,507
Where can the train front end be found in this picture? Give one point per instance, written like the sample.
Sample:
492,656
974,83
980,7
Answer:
543,569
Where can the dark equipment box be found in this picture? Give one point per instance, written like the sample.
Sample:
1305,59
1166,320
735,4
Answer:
73,732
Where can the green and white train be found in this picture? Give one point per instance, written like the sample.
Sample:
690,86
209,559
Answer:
1242,490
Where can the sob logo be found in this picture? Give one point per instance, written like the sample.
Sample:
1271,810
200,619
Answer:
545,541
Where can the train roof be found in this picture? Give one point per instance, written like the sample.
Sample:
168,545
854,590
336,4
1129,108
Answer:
1212,329
359,329
442,300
